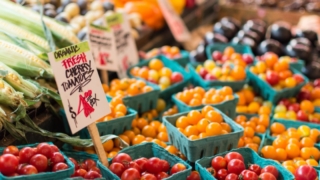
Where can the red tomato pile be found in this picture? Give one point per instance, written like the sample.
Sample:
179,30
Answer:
87,169
232,167
148,169
31,160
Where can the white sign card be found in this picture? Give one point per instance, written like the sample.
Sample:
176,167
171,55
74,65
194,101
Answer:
177,27
126,50
79,85
102,45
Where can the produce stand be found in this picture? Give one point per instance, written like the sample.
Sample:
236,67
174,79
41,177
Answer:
237,99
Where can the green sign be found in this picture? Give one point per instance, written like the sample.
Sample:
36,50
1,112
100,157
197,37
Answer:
114,19
70,51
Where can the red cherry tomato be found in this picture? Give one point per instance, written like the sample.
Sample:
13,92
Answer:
177,168
56,157
133,165
83,166
96,169
154,165
255,168
270,169
117,168
28,169
236,166
212,171
90,163
122,158
194,175
59,167
165,165
8,164
219,163
20,166
222,174
162,175
74,162
40,162
267,176
44,149
130,174
305,172
232,176
80,173
249,175
142,163
54,148
11,150
148,176
233,155
25,154
92,175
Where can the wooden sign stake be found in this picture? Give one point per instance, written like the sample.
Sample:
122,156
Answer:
104,76
94,133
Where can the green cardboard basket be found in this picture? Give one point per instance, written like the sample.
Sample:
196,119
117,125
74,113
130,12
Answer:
143,102
208,146
227,107
175,67
80,157
268,93
199,81
241,49
43,175
149,150
293,124
250,157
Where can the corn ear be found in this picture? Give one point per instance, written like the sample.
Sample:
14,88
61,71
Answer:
9,96
25,44
21,33
28,89
23,61
31,21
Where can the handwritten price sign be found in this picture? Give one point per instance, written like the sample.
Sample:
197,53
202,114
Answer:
78,83
102,44
178,29
124,44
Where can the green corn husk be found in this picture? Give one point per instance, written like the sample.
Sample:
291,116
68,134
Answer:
28,89
23,61
25,44
21,33
7,122
31,21
9,96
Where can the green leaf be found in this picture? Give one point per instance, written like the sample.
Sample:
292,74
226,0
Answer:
46,30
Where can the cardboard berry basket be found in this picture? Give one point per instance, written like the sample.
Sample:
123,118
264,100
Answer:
205,147
269,93
199,81
183,60
114,126
175,67
227,107
292,124
241,49
250,157
80,157
143,102
269,140
149,150
43,175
